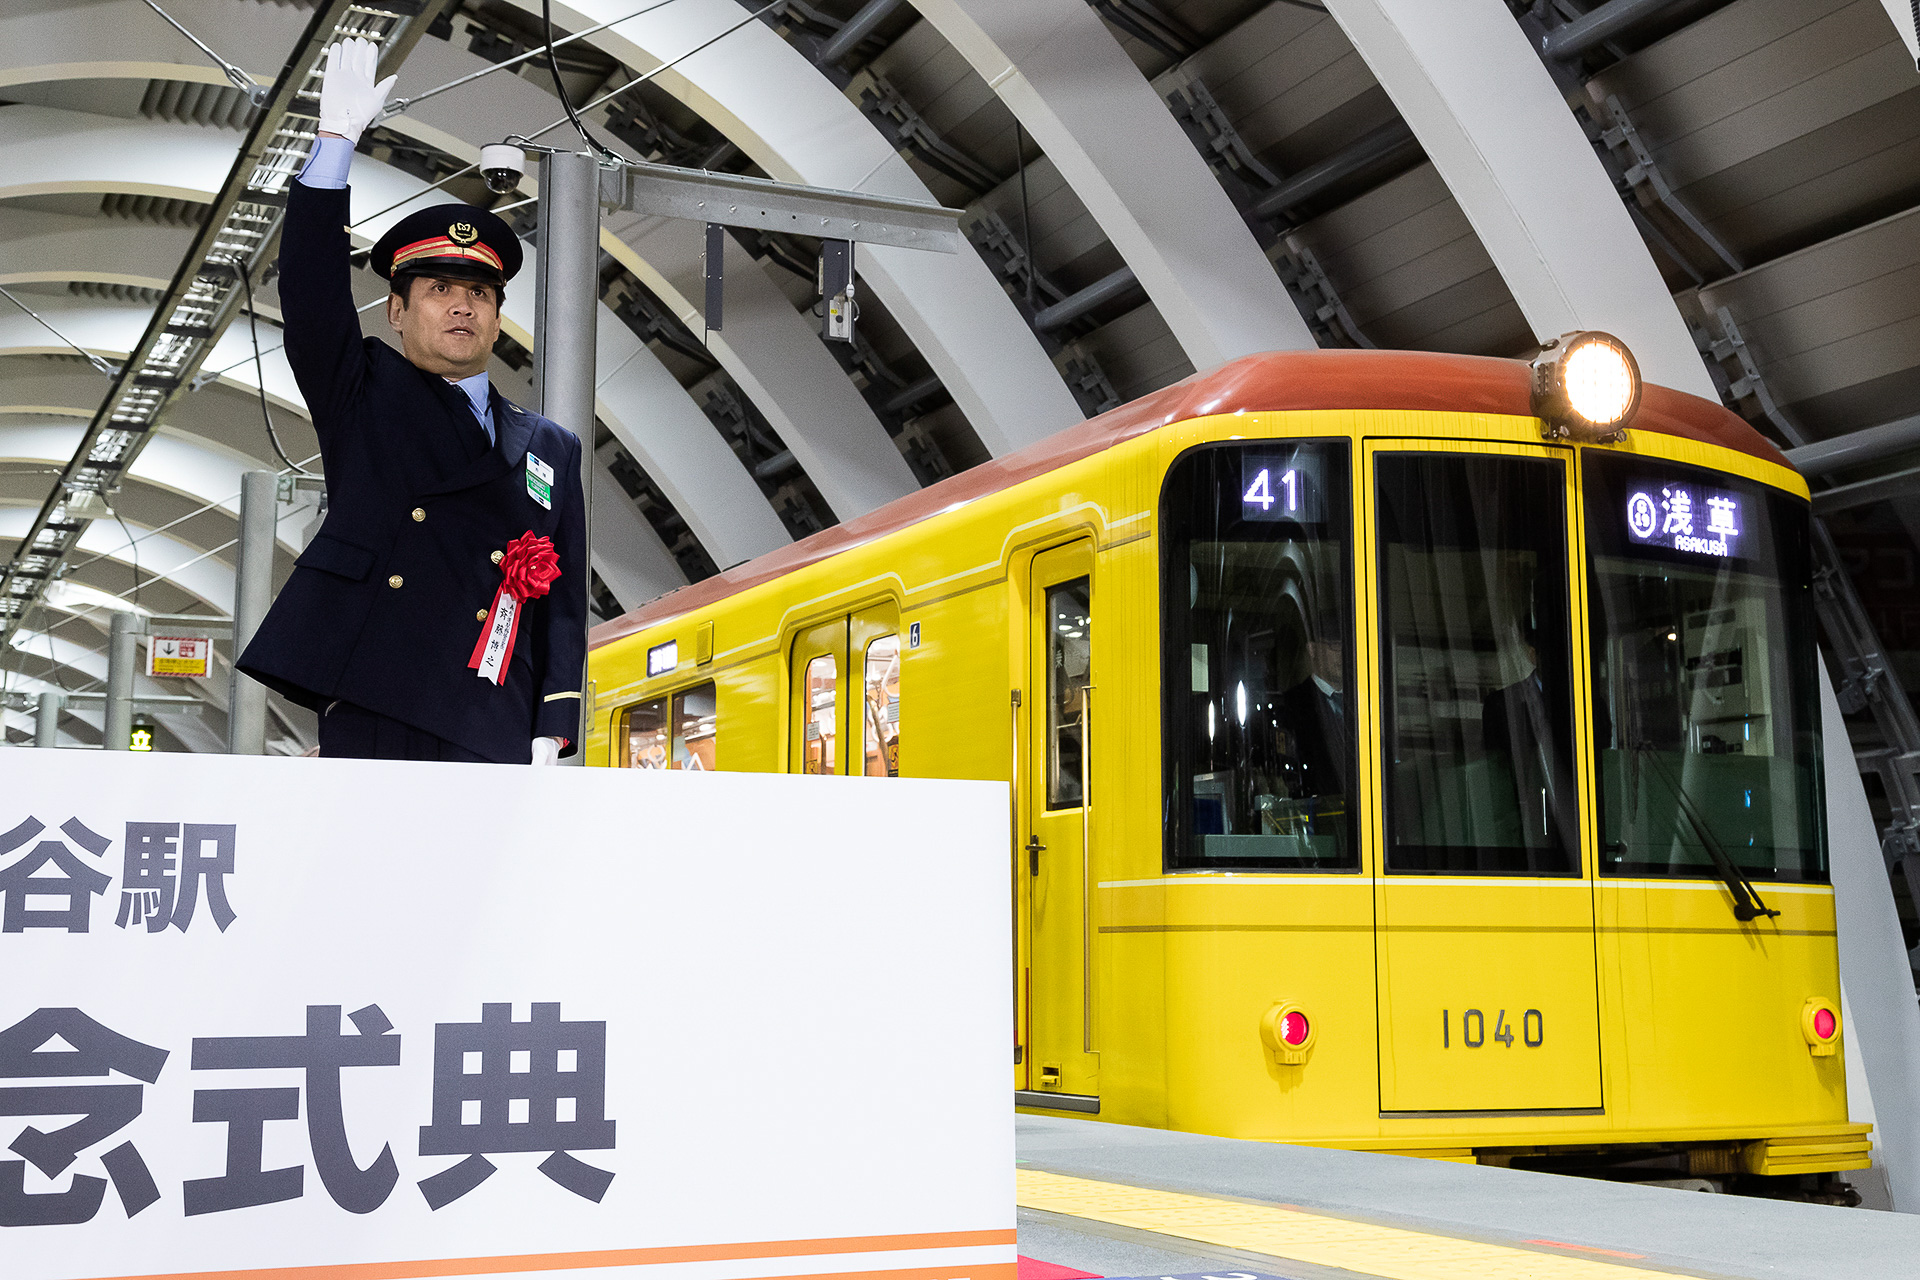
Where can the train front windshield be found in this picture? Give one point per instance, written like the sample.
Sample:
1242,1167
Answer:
1706,714
1258,614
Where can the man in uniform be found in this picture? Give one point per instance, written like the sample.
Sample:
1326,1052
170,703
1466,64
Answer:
440,612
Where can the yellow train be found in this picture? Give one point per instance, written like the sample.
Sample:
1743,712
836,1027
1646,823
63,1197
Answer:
1399,759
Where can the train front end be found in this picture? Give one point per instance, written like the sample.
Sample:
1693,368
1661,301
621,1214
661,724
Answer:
1515,722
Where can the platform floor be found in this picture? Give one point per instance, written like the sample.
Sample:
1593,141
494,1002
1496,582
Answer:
1109,1200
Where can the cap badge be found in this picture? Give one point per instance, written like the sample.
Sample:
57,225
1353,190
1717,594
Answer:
463,233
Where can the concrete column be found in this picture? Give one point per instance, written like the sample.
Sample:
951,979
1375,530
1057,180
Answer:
122,653
569,303
46,720
252,594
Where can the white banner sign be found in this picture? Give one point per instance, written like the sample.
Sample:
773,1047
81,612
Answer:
357,1020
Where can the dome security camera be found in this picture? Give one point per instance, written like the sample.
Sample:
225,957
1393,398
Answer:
502,166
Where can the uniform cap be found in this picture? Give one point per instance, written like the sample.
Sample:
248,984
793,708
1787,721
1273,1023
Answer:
453,240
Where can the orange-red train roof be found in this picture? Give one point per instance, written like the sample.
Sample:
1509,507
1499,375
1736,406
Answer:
1278,381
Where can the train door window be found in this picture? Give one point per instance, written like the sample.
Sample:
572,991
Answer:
880,716
649,739
1069,660
1476,664
1257,610
817,743
693,728
1706,714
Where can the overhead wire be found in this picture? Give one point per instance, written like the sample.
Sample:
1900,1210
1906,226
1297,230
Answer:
103,366
560,87
400,105
256,93
260,372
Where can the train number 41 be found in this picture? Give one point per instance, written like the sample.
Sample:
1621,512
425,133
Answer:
1473,1029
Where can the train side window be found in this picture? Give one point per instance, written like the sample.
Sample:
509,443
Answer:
1257,611
693,728
1476,665
682,739
817,745
1069,667
880,717
1706,703
649,740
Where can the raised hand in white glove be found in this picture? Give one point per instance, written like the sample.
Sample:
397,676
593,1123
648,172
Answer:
349,99
546,750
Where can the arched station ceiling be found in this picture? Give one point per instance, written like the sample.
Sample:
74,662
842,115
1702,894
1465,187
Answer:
1284,197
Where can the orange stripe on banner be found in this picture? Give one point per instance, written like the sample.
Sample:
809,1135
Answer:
426,1267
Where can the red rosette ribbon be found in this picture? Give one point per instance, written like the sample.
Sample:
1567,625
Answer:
527,571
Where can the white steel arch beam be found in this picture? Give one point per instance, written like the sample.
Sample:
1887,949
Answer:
777,108
1476,95
205,577
1066,79
173,461
112,329
42,40
37,247
775,356
1483,105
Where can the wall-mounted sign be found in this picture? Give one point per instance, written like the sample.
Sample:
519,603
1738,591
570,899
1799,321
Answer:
663,658
1685,517
180,656
1283,486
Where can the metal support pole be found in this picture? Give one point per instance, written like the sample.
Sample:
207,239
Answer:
46,720
1597,26
563,358
252,593
117,731
858,28
1075,305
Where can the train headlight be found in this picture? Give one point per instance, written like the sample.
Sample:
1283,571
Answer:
1287,1033
1586,386
1820,1024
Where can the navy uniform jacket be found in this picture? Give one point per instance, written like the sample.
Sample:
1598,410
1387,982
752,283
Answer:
383,609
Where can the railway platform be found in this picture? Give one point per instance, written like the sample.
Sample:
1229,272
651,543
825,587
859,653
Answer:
1109,1200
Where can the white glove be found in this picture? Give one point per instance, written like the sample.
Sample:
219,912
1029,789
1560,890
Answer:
349,99
546,750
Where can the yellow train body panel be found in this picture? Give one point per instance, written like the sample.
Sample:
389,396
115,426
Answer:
1608,1009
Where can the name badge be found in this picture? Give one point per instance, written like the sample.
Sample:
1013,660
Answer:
540,482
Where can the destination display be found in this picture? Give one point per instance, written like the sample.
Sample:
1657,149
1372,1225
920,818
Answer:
1686,517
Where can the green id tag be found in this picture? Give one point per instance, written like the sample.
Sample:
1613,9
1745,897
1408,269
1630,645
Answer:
540,482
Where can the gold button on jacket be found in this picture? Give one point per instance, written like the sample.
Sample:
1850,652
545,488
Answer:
419,513
396,582
498,556
479,615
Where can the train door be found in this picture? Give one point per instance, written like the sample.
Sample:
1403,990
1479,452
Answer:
819,703
875,647
1487,993
1056,799
846,695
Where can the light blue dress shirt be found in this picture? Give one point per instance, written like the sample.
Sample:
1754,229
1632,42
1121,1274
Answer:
328,163
476,389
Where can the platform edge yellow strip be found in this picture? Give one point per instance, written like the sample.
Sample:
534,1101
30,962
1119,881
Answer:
1392,1252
